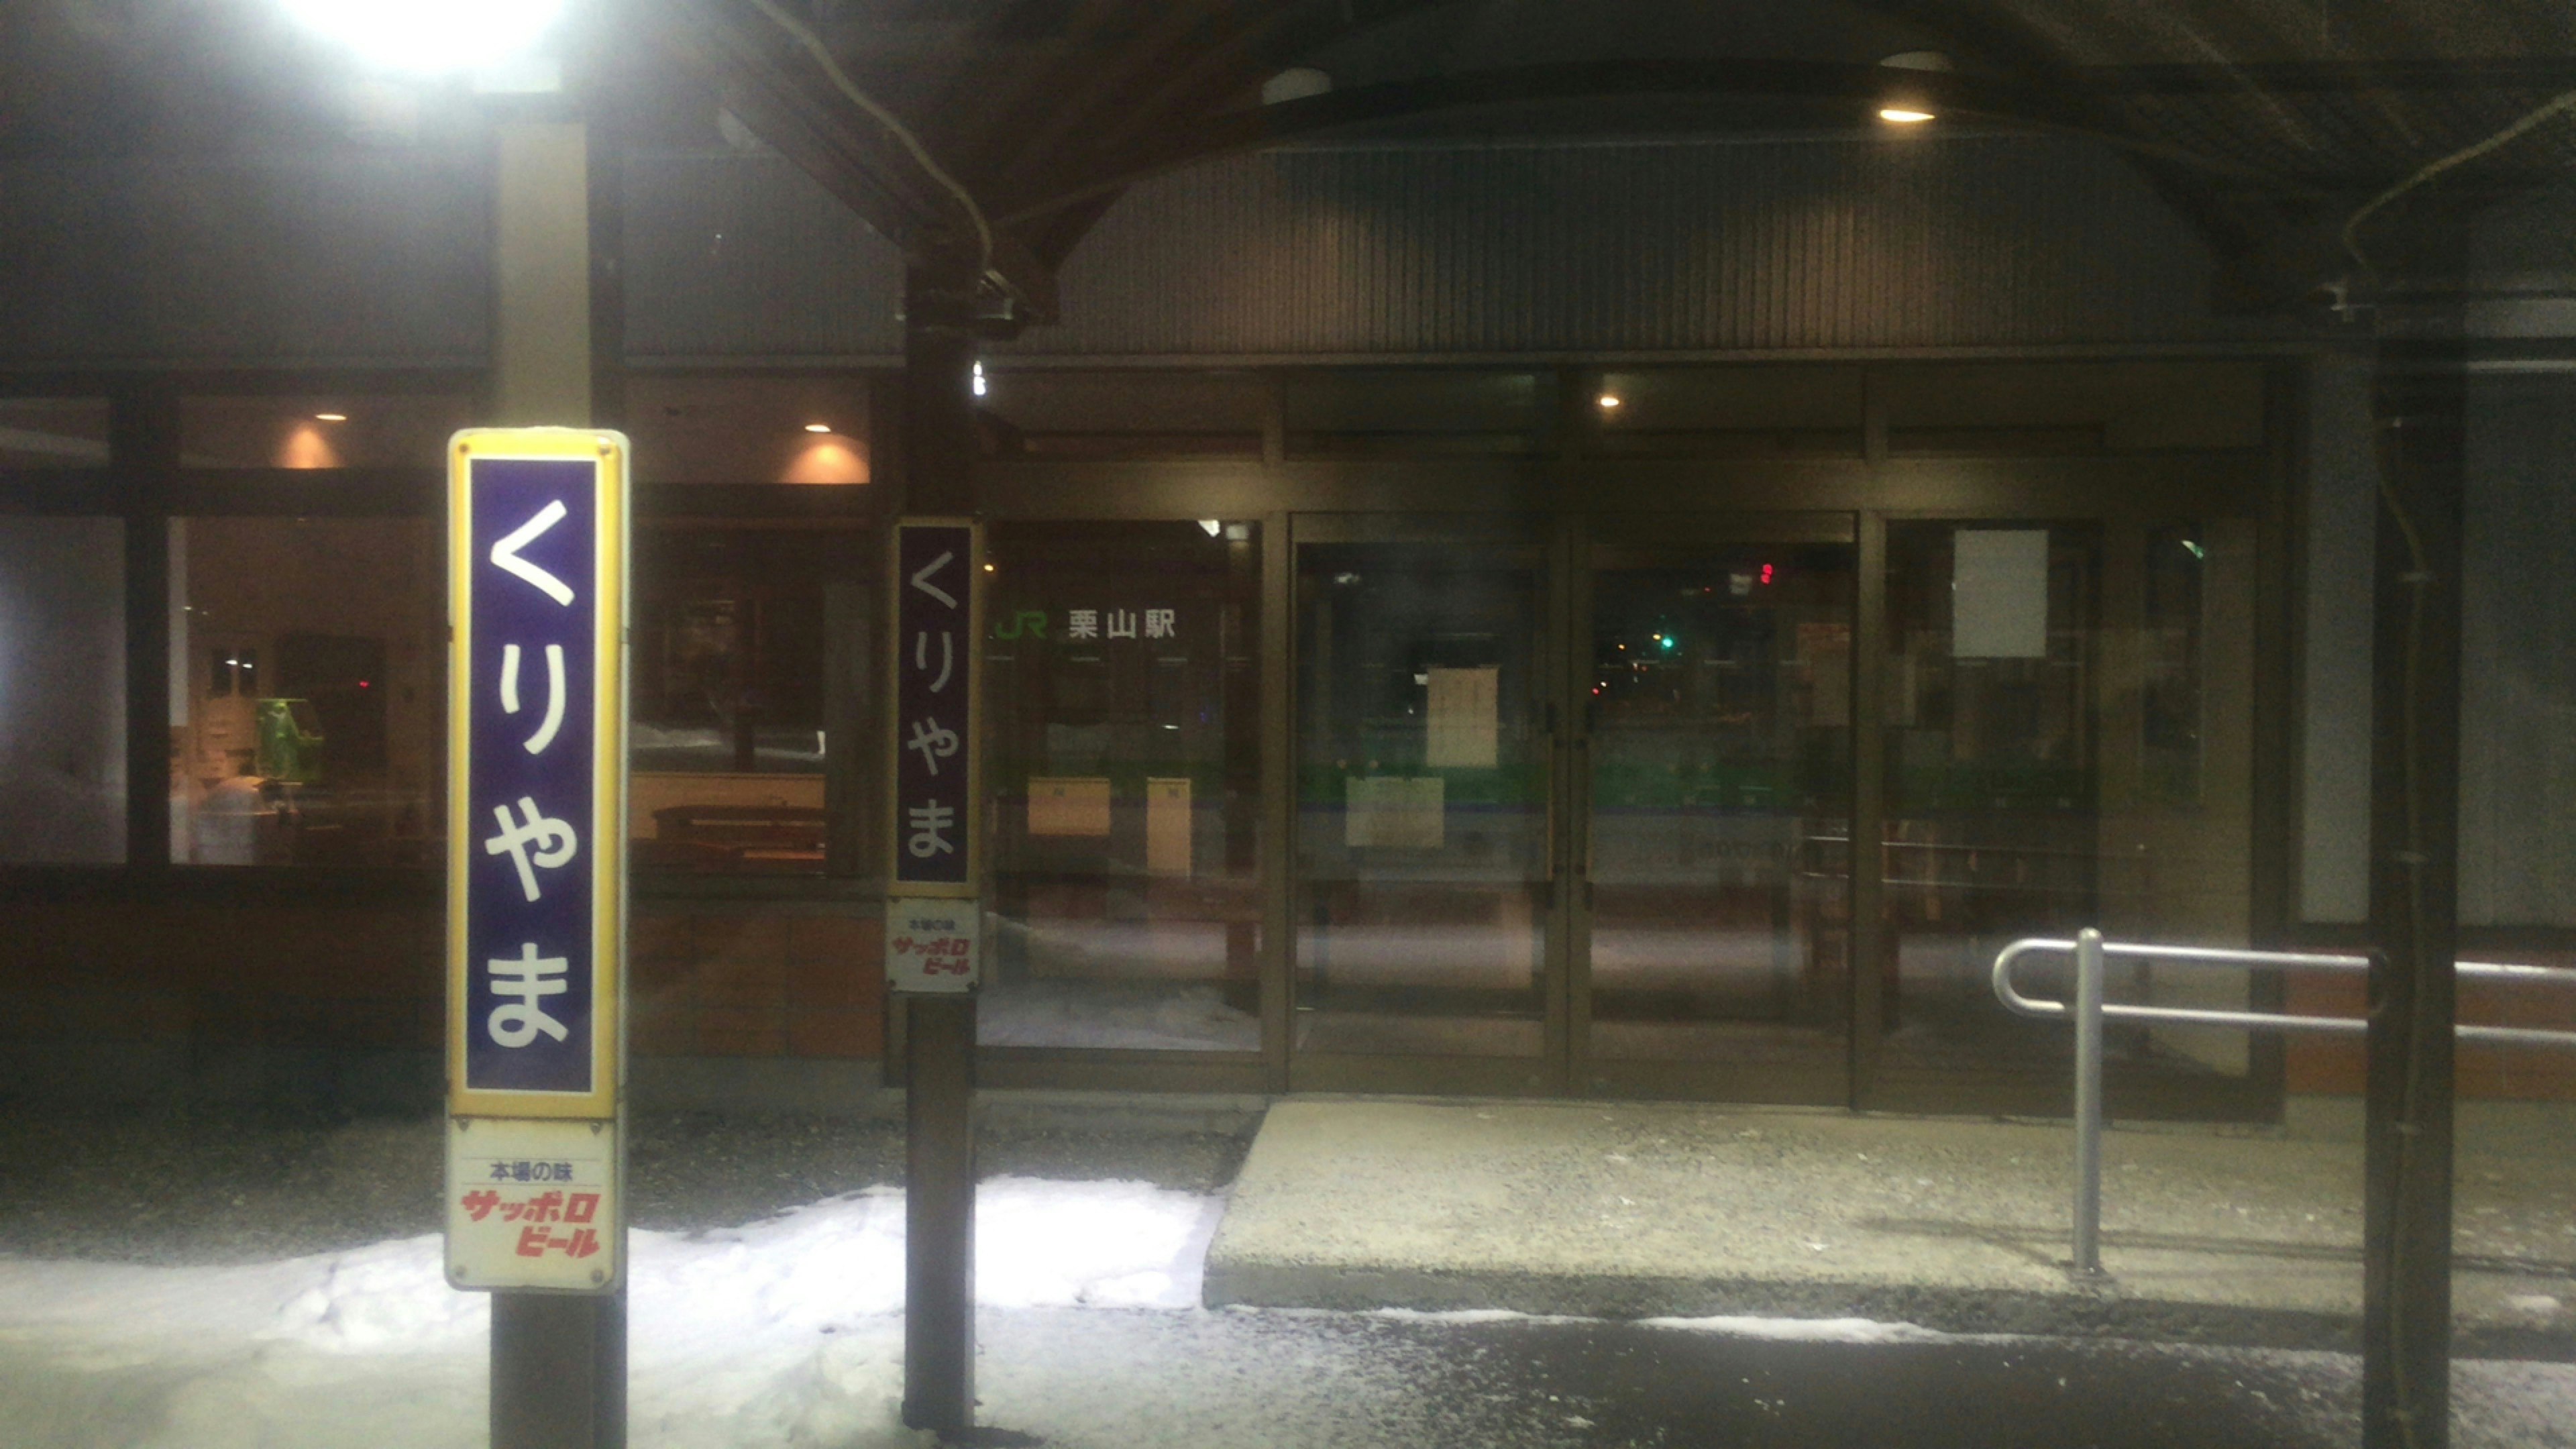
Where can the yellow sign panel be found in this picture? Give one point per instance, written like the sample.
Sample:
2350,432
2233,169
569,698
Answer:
536,817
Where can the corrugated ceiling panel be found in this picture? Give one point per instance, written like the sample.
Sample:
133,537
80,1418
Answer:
1997,241
1412,251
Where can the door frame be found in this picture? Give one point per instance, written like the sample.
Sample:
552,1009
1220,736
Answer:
1541,539
1673,533
1537,492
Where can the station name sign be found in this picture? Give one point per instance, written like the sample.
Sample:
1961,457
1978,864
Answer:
536,855
536,798
933,921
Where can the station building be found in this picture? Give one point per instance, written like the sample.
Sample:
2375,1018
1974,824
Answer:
1463,577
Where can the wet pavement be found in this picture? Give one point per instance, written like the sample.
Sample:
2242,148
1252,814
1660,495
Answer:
1626,1211
1357,1381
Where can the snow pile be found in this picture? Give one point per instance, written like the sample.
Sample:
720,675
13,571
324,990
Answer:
1804,1330
786,1331
1103,1015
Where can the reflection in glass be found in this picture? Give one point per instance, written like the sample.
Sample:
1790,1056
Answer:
728,740
310,726
321,430
2068,745
1422,787
62,691
52,432
1122,761
1719,743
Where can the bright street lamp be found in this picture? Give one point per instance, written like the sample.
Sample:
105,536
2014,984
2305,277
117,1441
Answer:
431,37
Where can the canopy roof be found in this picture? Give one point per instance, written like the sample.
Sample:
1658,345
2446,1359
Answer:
985,137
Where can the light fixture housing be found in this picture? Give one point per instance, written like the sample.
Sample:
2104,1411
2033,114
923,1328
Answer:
818,427
330,417
1905,106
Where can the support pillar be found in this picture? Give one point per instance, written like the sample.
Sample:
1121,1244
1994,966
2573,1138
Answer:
2419,410
939,1031
558,1362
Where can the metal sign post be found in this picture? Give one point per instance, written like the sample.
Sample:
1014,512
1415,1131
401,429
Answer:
933,947
536,899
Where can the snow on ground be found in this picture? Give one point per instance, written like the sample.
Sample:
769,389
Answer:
788,1332
782,1332
1129,1016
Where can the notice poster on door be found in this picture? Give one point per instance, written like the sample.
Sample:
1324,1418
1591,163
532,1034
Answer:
1395,812
1069,805
1167,826
1999,594
1463,719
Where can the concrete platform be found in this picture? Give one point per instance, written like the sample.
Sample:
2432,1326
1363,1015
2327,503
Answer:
1623,1211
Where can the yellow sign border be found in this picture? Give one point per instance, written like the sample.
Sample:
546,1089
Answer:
611,452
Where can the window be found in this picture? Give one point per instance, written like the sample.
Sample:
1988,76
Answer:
748,430
1122,698
62,691
320,430
307,691
733,626
47,432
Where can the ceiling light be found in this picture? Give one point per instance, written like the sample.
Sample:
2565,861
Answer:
1212,526
1609,400
431,37
818,427
979,379
1903,115
330,417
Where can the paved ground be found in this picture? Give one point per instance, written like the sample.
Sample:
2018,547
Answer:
1643,1209
1355,1381
1634,1211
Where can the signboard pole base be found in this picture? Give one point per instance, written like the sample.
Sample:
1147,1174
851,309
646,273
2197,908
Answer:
939,1213
558,1370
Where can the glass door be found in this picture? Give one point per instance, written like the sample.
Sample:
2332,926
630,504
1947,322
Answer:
1426,899
2067,740
1713,790
1575,802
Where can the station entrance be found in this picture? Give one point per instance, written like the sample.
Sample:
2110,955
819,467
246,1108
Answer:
1576,797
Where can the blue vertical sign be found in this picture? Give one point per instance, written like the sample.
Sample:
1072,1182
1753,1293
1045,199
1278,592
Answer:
938,567
536,786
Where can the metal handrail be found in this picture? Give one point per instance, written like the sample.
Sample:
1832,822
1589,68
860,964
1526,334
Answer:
2090,1011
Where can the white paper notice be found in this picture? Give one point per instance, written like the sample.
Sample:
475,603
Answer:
1463,719
1999,594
